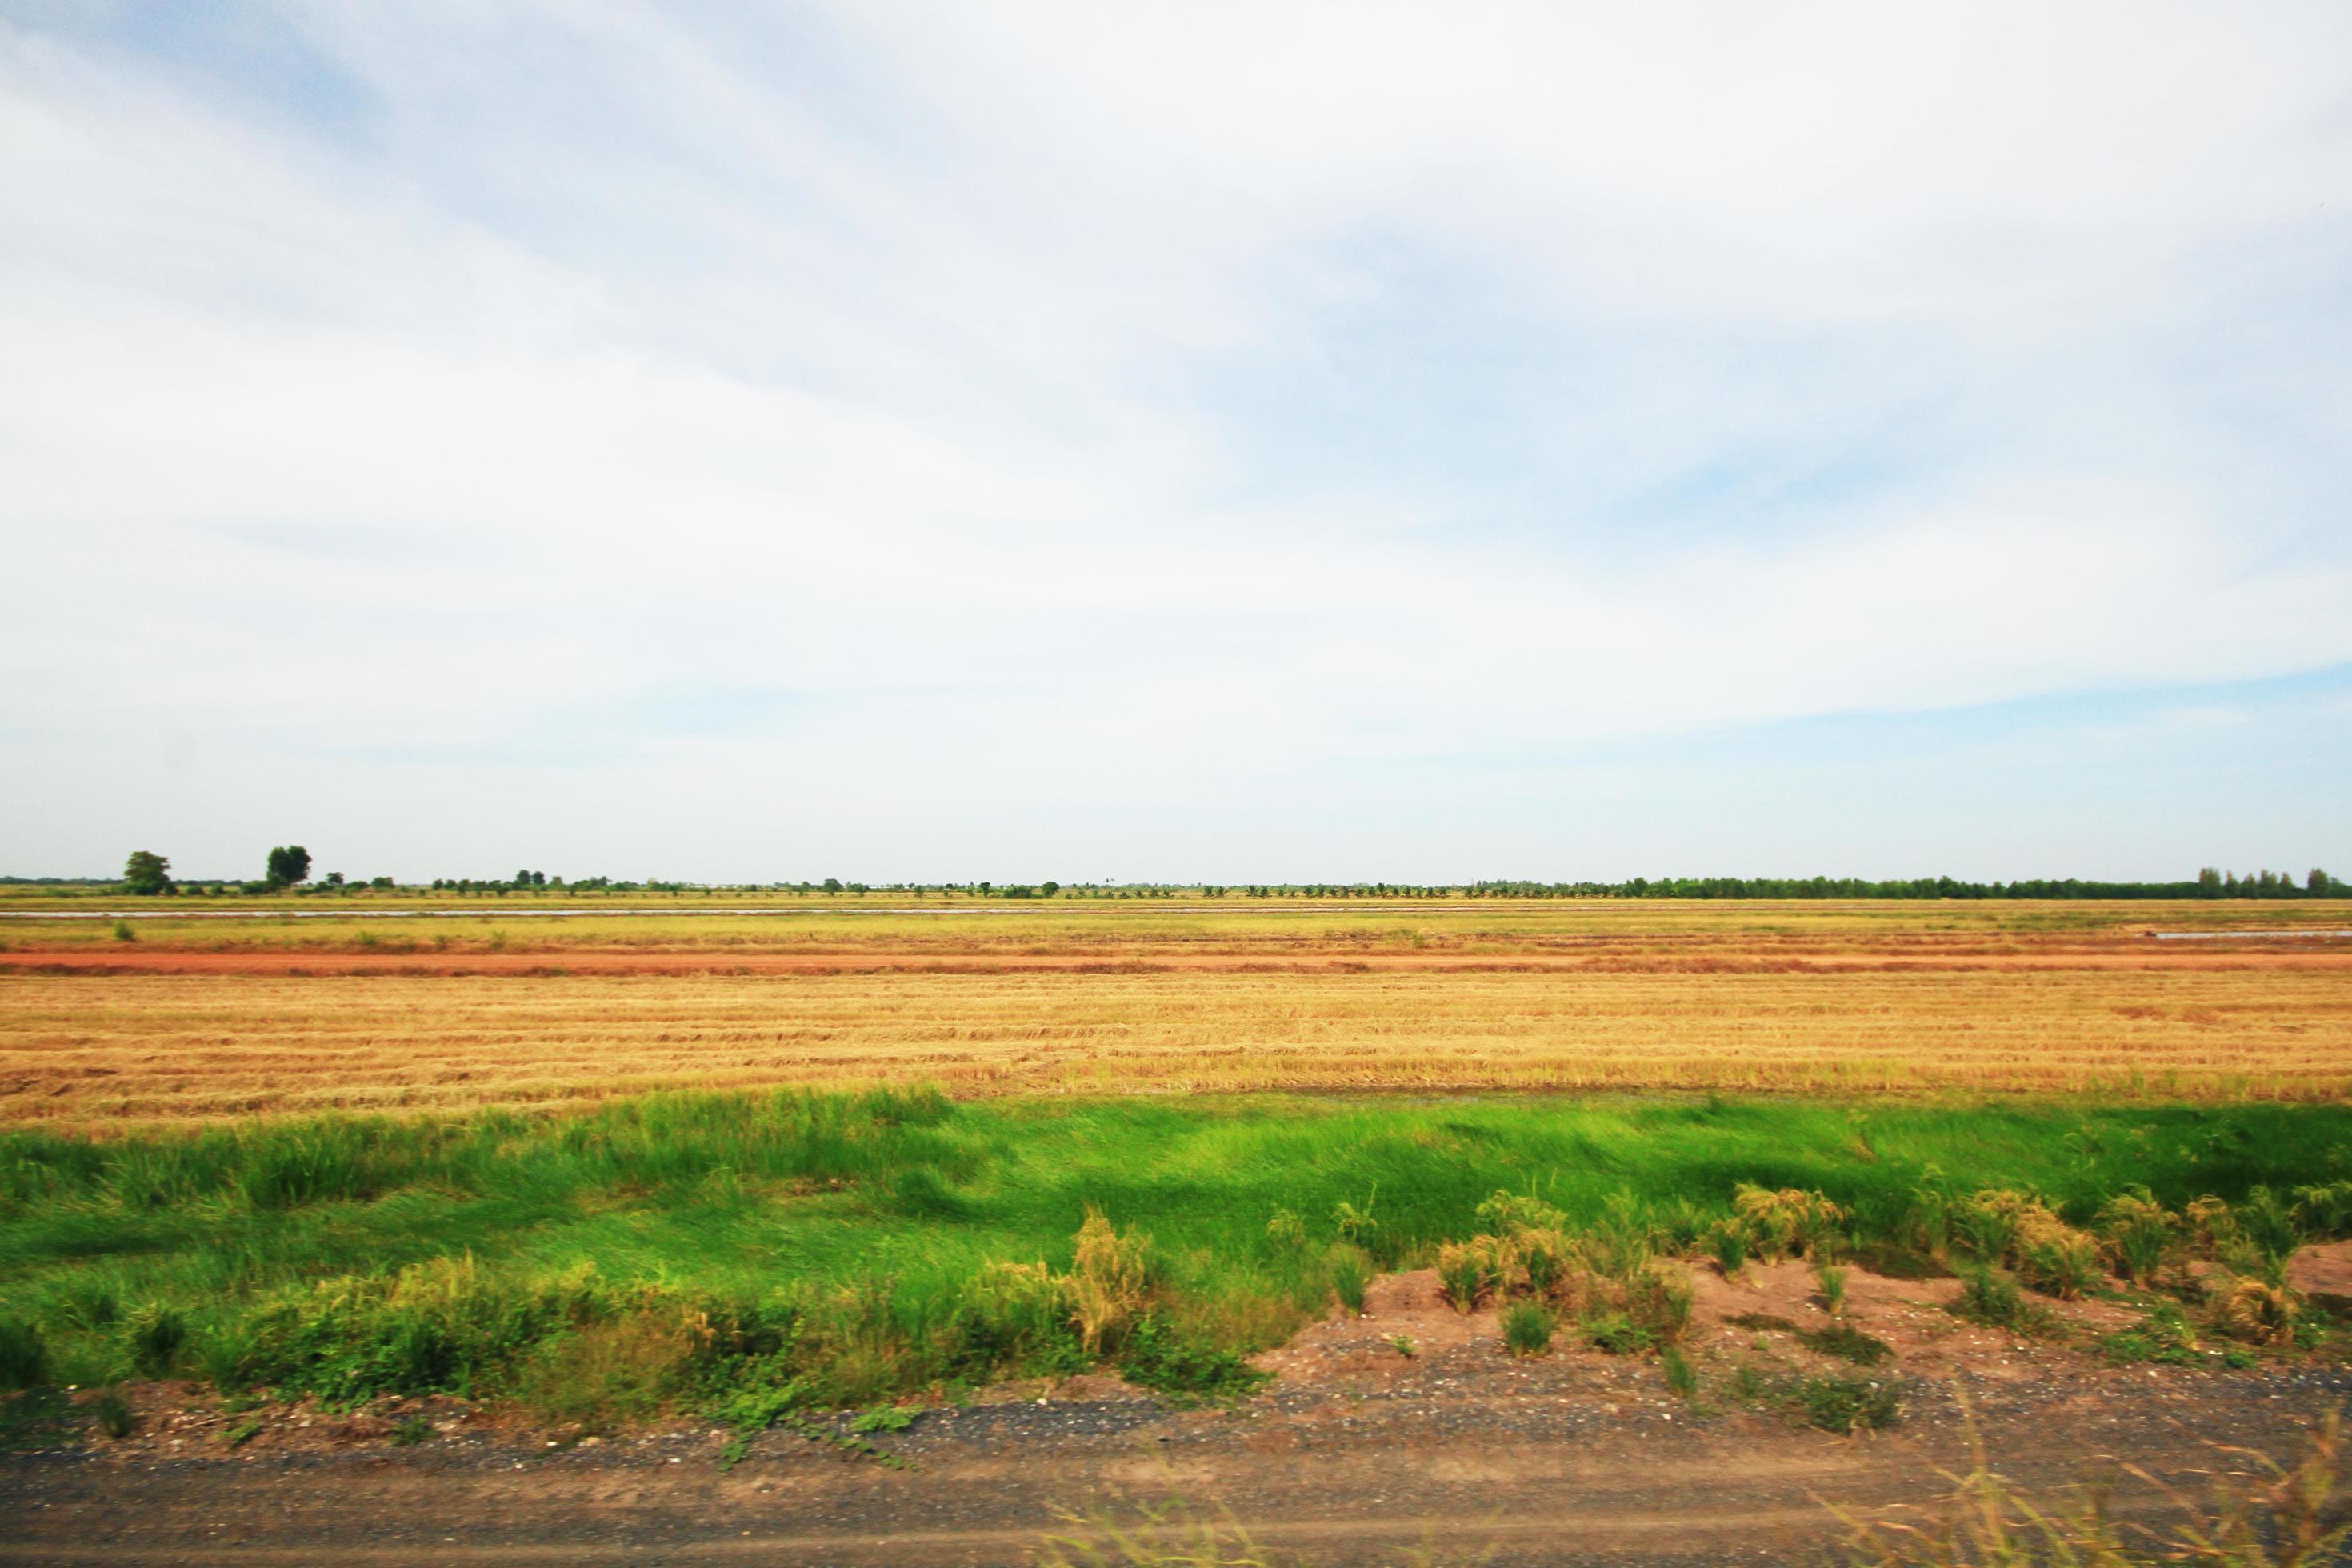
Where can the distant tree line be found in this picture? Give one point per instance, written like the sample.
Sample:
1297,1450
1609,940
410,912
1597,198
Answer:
2211,883
288,869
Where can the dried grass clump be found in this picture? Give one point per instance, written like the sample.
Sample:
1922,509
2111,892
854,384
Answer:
1789,1221
1659,1299
2019,1230
2139,1233
1526,1253
2212,1226
1108,1281
2256,1310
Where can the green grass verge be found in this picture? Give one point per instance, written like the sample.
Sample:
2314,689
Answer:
753,1255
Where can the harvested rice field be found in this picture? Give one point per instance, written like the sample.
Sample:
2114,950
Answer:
188,1020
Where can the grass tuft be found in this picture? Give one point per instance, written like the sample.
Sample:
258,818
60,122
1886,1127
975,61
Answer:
1528,1328
23,1355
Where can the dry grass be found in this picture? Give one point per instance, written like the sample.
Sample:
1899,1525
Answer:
91,1047
1758,928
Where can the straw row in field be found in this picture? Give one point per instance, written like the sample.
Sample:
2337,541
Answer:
86,1049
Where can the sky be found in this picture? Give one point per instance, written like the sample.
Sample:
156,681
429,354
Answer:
1241,443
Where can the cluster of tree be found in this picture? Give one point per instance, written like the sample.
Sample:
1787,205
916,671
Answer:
2218,884
521,882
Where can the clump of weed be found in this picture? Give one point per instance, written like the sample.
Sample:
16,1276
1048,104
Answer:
1679,1376
1616,1334
1847,1342
1831,1277
601,1375
1659,1299
2211,1224
1012,1314
2139,1233
1349,1276
1106,1280
1843,1340
444,1326
1157,1357
1845,1404
1789,1221
2254,1310
1472,1271
1528,1328
23,1355
2020,1230
410,1432
1286,1230
1404,1346
111,1413
2324,1209
2163,1335
1991,1298
2267,1222
156,1334
123,931
1727,1244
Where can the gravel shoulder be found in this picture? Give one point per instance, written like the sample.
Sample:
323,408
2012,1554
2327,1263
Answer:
1357,1453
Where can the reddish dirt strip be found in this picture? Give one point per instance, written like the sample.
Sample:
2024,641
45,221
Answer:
868,961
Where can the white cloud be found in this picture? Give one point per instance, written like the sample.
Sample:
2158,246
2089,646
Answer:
852,378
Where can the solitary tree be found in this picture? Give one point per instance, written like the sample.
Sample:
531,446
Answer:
147,872
289,863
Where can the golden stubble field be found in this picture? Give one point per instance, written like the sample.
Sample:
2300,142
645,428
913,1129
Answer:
191,1020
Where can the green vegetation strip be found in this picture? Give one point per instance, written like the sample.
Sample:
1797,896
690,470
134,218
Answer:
751,1256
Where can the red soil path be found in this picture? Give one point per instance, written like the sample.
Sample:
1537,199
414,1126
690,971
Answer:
725,961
